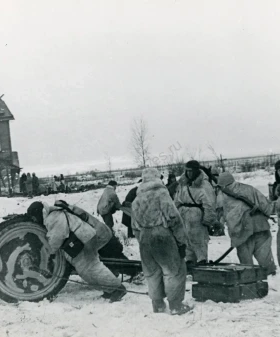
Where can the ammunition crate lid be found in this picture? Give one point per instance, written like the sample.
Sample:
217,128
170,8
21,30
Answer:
228,274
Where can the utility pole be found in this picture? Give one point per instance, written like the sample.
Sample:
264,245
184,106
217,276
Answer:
222,163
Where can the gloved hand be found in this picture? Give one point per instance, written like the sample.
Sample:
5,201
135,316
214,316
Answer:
209,228
182,251
216,229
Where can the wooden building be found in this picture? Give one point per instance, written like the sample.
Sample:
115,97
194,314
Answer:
9,163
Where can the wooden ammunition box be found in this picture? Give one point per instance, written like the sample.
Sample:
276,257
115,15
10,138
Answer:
229,282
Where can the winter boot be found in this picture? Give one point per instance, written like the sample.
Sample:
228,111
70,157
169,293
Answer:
118,294
158,306
106,295
179,309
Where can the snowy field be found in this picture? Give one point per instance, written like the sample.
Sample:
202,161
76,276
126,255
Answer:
79,311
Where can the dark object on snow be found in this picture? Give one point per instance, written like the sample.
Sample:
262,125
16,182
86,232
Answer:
123,266
229,282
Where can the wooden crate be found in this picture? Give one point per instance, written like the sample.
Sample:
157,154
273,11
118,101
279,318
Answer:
228,274
229,294
229,282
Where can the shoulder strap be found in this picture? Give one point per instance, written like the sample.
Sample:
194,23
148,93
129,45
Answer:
246,201
192,196
64,206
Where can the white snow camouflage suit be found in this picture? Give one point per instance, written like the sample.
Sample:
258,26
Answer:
87,263
250,234
196,220
159,229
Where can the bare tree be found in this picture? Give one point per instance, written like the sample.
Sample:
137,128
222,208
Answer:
109,163
219,158
176,164
195,153
140,142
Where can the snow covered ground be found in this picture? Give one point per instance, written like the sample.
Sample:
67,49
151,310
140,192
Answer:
79,311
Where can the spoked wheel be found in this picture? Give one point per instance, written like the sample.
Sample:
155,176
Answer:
28,272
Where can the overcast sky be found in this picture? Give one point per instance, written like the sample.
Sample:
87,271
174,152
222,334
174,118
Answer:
76,72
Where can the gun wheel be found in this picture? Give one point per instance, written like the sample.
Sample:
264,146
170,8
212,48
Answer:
28,272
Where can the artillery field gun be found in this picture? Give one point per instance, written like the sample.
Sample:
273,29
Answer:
28,272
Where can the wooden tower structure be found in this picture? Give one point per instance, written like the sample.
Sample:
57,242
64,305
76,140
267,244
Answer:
9,163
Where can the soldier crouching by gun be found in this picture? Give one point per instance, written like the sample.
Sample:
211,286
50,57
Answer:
80,236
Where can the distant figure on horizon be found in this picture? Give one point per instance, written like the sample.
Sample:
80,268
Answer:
29,187
54,184
62,183
35,184
22,184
